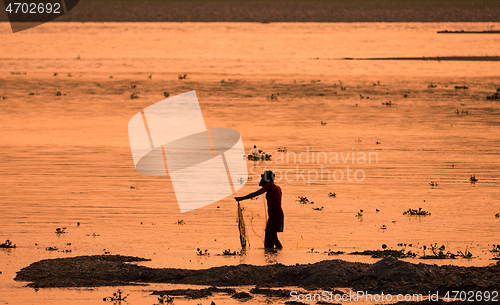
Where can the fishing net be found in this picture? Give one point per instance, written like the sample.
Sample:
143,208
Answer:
257,224
242,228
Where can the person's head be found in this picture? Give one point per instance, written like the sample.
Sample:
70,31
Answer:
266,177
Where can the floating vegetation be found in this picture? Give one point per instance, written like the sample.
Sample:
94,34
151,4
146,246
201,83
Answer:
389,104
360,213
55,74
461,87
433,184
473,179
259,155
229,253
60,230
383,227
497,215
132,86
377,210
331,252
438,253
117,297
111,76
182,76
304,200
273,97
323,123
165,299
180,222
465,254
458,112
418,212
431,85
390,252
7,245
494,96
405,95
282,150
332,194
32,93
377,143
202,253
318,209
150,76
58,93
133,96
166,94
496,250
312,251
51,249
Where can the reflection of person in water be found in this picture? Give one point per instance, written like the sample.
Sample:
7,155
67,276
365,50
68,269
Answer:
276,217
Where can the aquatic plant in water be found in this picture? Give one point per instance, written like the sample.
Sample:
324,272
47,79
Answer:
7,245
418,212
60,230
228,252
117,297
332,194
304,200
494,96
165,299
391,252
201,253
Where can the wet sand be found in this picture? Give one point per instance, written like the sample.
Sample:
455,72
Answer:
388,275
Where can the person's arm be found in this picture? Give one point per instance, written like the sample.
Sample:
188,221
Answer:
251,195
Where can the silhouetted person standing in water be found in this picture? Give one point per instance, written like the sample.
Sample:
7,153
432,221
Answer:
276,217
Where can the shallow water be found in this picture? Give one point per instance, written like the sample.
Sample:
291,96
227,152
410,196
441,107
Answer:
66,160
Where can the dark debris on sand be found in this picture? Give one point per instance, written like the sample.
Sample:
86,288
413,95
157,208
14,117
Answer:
388,275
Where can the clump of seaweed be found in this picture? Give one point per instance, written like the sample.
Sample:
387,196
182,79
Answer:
117,297
473,179
419,212
7,245
494,96
228,252
202,253
332,194
465,254
438,252
166,299
496,250
389,104
273,96
60,231
391,252
304,200
331,252
260,155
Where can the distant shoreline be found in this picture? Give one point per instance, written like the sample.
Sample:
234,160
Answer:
280,11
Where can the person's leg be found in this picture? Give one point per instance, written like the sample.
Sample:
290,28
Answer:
268,240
